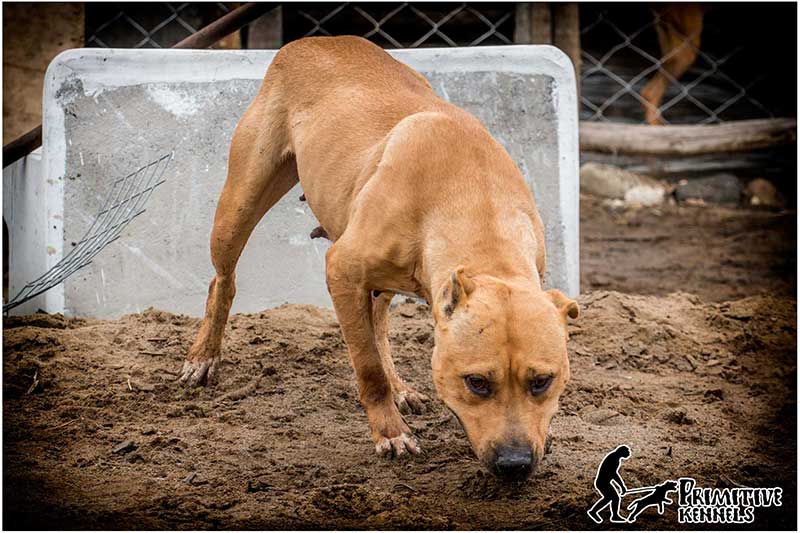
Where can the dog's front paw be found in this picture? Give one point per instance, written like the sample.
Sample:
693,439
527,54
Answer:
410,401
397,446
196,373
390,433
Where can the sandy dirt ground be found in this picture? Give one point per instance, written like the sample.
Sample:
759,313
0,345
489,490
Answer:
686,351
718,254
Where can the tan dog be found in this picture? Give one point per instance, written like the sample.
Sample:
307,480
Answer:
418,198
679,26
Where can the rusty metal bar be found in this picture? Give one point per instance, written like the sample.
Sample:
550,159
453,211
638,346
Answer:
222,27
22,146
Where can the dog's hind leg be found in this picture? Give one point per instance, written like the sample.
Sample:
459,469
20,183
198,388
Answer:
679,27
260,172
406,398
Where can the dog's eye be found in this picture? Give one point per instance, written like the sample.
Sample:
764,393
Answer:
539,384
478,385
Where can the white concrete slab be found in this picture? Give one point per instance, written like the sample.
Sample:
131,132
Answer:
29,204
110,111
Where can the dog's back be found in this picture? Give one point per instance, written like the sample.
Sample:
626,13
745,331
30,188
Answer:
349,107
336,85
341,63
328,103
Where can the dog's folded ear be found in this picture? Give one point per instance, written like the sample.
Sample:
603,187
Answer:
455,292
567,306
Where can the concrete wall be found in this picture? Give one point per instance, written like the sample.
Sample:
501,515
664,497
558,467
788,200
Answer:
109,111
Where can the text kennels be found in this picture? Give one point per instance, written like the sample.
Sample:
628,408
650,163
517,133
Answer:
698,505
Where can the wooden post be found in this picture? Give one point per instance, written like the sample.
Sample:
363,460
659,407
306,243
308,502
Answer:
541,23
567,37
266,33
522,23
557,24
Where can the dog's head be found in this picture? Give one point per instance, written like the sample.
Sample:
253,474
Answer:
500,364
669,486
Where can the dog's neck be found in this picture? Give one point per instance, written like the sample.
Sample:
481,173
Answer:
508,257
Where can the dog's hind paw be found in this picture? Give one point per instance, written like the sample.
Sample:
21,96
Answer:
196,373
397,446
410,401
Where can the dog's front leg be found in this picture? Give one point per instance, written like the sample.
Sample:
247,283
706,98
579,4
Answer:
406,398
353,306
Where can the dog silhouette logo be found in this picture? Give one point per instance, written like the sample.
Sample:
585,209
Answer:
657,497
609,483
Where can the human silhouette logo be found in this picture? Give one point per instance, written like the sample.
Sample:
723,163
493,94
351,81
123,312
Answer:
608,482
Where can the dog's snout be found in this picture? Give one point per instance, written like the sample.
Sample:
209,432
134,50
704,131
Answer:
513,462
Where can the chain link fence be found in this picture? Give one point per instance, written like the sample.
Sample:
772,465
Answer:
391,25
147,25
713,65
729,64
405,25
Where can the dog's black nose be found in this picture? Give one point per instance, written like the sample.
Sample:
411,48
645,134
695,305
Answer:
513,462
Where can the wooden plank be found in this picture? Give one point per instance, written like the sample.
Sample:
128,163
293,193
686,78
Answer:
736,136
777,164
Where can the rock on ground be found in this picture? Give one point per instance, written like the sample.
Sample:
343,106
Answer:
761,192
720,189
608,181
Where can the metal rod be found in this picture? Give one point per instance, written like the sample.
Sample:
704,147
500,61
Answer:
220,28
224,26
22,146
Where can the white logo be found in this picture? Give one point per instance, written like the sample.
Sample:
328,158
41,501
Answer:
696,505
